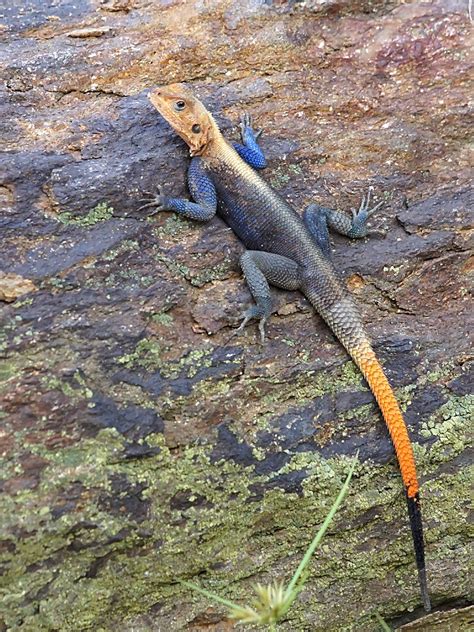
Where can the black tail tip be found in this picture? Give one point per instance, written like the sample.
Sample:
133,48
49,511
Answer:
425,596
414,512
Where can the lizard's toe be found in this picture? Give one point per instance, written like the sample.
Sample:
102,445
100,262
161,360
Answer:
261,328
258,312
360,216
246,120
152,200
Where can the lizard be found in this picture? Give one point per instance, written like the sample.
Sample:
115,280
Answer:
283,249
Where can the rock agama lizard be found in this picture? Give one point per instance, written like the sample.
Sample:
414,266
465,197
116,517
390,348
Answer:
285,250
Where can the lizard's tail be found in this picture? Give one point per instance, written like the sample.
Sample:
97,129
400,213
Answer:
343,319
365,358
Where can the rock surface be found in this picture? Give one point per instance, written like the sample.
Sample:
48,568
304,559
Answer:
140,445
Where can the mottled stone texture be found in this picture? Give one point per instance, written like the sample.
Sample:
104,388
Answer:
140,444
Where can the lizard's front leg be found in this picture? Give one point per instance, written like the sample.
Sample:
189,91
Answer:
250,151
202,191
260,269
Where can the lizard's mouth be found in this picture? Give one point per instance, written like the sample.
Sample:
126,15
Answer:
157,100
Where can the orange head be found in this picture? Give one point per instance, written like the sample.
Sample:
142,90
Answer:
188,117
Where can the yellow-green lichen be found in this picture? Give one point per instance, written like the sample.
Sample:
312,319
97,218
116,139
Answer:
127,245
95,563
99,213
81,391
162,318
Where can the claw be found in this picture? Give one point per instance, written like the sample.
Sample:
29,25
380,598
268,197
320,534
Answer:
375,208
149,205
360,216
153,199
248,316
363,211
246,122
364,205
239,329
153,194
242,325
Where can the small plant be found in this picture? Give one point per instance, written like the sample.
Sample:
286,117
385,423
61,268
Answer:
274,600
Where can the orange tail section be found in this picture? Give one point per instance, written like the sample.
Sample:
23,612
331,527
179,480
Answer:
365,358
373,373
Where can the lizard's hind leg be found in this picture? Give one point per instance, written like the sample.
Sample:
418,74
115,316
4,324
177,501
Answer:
316,217
260,269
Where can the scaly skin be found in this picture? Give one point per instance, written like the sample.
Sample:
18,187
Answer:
285,250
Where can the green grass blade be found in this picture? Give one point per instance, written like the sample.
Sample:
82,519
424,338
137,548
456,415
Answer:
279,601
291,591
385,627
211,595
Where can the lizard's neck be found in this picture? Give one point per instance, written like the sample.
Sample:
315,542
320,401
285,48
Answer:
215,149
224,160
216,142
221,156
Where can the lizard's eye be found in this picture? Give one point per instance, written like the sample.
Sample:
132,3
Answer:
196,128
179,105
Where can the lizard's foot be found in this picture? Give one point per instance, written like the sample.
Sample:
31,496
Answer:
246,128
359,218
260,312
153,200
253,312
